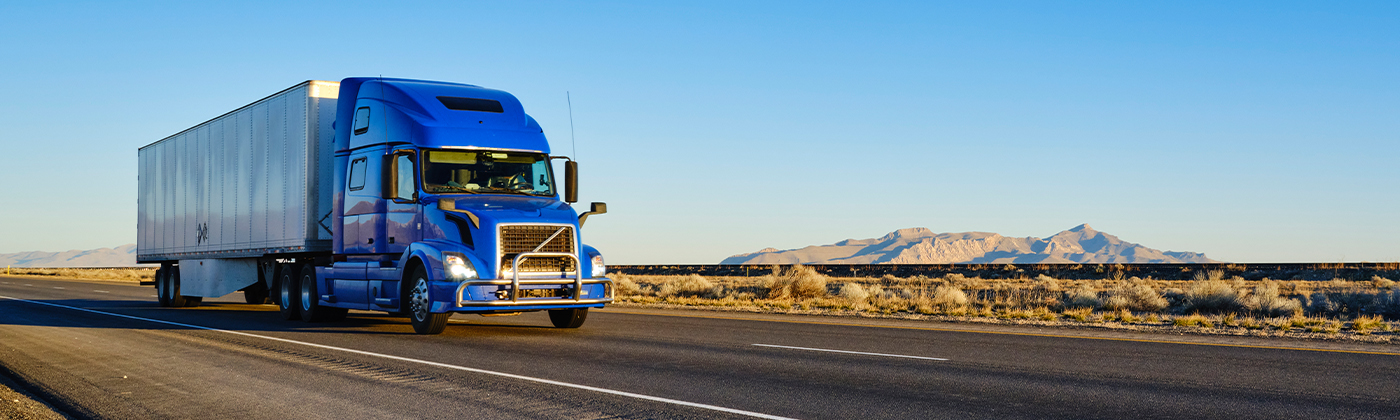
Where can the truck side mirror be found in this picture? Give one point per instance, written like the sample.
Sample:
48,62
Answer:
570,181
388,189
596,208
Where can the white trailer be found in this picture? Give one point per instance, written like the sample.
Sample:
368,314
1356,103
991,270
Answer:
250,183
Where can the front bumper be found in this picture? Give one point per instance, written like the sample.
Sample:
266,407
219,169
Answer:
512,297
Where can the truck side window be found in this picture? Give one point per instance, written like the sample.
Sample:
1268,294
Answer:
357,174
404,164
361,120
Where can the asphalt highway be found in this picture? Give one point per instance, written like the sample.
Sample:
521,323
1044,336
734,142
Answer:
106,350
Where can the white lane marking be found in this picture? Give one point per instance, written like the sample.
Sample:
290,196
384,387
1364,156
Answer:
430,363
851,352
101,291
59,288
29,285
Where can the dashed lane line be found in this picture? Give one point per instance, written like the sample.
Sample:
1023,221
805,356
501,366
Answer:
431,363
1024,334
852,352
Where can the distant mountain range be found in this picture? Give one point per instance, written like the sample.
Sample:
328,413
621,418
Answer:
1082,244
122,256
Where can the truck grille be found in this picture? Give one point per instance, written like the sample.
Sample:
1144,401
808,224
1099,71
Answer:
516,239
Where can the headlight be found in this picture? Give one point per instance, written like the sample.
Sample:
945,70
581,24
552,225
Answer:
598,268
458,268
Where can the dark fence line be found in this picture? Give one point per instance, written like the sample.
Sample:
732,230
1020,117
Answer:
1249,271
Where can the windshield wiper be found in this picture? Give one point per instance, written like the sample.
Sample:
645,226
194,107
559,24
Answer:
507,191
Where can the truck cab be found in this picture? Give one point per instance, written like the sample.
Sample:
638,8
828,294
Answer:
445,201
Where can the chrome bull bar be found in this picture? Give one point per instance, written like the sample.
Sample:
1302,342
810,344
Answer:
578,281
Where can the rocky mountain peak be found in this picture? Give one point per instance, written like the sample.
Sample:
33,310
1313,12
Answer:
1080,244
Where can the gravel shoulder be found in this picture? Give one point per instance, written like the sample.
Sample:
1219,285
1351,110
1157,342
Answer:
17,404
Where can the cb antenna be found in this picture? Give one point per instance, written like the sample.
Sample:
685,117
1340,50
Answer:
572,142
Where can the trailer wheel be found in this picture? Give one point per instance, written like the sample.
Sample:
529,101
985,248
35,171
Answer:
161,289
172,289
287,292
311,309
568,318
255,294
424,321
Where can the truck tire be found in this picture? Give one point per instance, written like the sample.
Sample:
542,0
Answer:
287,292
418,304
255,294
311,309
568,318
161,288
172,289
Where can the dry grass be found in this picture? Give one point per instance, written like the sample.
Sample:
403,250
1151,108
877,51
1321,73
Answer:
126,274
692,285
1208,302
1265,301
1193,320
797,282
1368,323
1137,296
1212,295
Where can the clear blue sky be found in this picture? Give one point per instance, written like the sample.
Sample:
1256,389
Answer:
1251,131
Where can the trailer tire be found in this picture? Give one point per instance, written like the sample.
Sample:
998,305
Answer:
311,309
568,318
172,289
287,291
161,288
255,294
418,304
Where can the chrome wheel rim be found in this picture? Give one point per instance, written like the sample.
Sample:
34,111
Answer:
418,300
306,293
285,292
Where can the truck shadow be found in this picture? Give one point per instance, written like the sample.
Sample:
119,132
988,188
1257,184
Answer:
148,315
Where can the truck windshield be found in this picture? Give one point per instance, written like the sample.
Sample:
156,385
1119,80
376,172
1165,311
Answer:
485,172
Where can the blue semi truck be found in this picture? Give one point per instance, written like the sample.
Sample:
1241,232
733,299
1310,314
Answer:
413,197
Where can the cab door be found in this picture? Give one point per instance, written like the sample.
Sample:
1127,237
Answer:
364,208
403,219
403,215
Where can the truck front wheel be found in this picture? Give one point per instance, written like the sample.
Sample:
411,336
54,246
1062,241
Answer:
419,305
568,318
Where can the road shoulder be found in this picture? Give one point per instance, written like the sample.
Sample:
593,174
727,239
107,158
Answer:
16,403
1088,333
